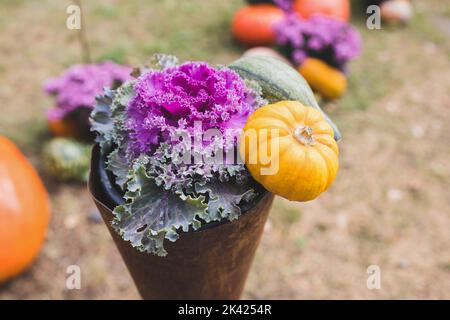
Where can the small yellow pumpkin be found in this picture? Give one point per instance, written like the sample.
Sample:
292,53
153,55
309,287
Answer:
290,149
330,82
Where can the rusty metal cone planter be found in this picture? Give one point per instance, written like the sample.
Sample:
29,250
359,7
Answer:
209,263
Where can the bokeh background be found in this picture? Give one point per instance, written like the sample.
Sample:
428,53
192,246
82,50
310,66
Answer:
389,206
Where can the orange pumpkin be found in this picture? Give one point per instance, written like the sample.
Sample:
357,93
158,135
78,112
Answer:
339,9
63,128
253,25
24,211
290,149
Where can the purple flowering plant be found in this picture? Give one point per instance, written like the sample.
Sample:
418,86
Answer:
170,138
77,87
333,41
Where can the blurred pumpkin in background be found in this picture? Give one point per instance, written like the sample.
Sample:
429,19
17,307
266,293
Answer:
253,24
62,128
24,211
396,11
339,9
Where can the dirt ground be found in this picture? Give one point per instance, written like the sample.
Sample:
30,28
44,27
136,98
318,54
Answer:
389,206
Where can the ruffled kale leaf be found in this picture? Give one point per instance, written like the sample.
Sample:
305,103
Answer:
163,197
108,120
123,96
165,61
169,170
151,214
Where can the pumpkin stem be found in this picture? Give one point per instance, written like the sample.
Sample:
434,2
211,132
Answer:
303,134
